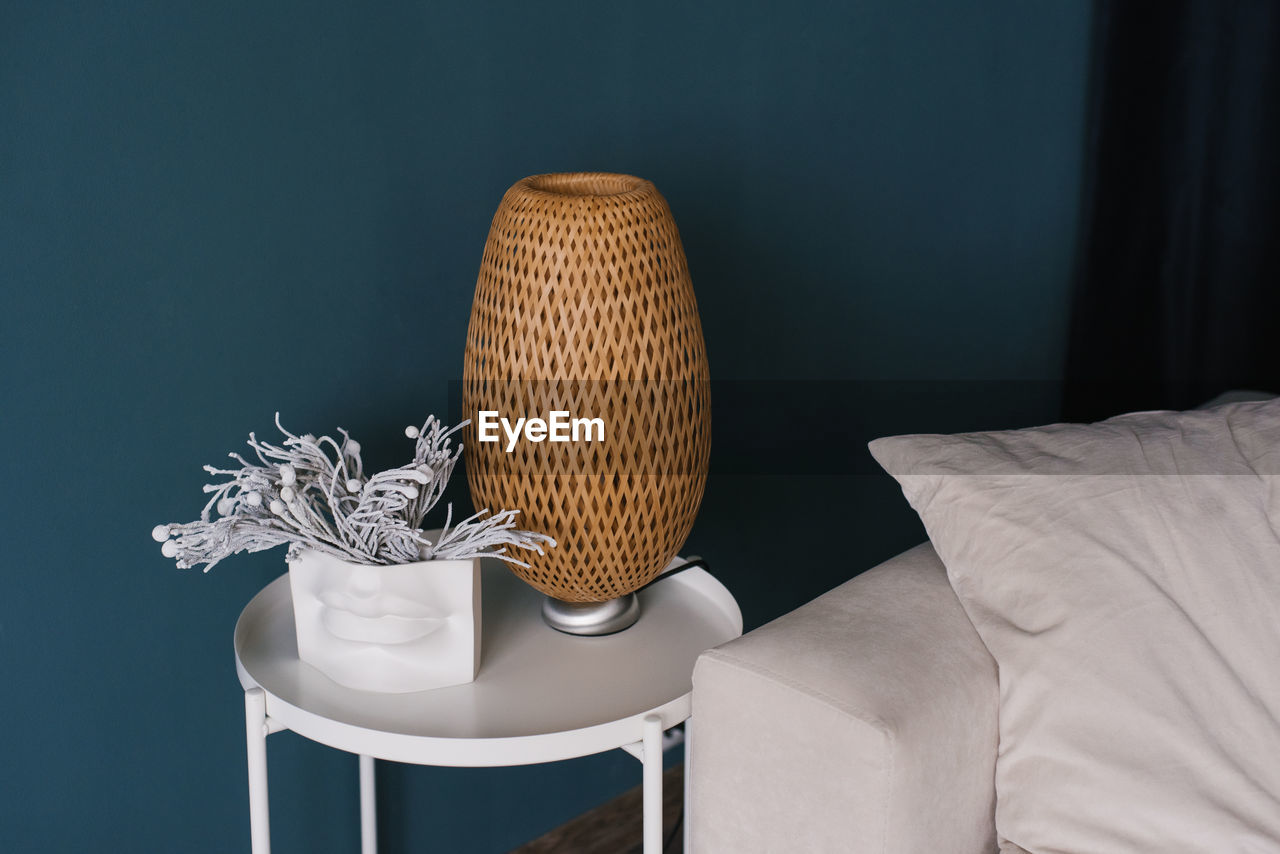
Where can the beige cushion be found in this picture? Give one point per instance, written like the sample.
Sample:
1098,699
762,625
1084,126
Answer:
1126,578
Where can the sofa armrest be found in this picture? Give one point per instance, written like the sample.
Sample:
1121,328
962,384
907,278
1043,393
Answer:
864,721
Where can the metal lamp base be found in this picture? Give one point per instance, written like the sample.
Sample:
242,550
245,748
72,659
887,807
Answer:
591,618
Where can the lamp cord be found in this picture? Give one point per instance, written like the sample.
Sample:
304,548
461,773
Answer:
675,829
694,561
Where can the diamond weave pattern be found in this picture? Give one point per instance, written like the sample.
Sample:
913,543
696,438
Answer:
584,304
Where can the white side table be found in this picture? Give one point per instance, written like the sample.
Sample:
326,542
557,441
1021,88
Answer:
540,696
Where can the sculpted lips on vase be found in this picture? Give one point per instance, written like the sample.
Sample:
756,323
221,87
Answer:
379,620
393,628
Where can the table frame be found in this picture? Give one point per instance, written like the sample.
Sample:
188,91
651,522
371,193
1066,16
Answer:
639,733
259,725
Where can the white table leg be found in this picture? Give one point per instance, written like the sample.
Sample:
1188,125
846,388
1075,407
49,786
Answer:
652,784
255,725
368,807
688,778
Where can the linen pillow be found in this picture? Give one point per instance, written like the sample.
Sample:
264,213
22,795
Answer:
1125,576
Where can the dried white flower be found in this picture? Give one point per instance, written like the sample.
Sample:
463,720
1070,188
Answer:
312,493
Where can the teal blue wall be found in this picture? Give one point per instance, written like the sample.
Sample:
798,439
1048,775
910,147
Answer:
211,211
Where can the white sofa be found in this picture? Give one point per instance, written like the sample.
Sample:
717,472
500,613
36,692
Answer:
864,721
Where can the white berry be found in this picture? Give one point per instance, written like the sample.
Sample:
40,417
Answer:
353,447
287,475
254,499
160,533
353,485
277,507
288,494
169,549
411,432
225,506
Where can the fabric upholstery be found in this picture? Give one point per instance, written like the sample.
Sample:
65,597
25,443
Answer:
1126,577
864,721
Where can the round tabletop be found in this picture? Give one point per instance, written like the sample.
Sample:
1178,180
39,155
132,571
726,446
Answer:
539,696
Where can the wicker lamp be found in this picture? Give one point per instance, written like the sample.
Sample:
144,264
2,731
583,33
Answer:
584,305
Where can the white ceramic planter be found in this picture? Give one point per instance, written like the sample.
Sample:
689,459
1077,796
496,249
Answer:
392,629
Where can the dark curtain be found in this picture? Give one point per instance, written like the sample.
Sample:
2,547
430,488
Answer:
1178,290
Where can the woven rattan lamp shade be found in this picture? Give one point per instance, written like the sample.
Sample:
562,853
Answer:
584,304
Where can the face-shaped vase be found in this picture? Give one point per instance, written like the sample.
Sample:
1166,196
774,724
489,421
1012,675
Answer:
392,629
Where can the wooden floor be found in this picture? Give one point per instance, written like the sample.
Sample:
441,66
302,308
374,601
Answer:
616,827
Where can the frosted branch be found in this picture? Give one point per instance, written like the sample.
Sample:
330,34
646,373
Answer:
311,493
